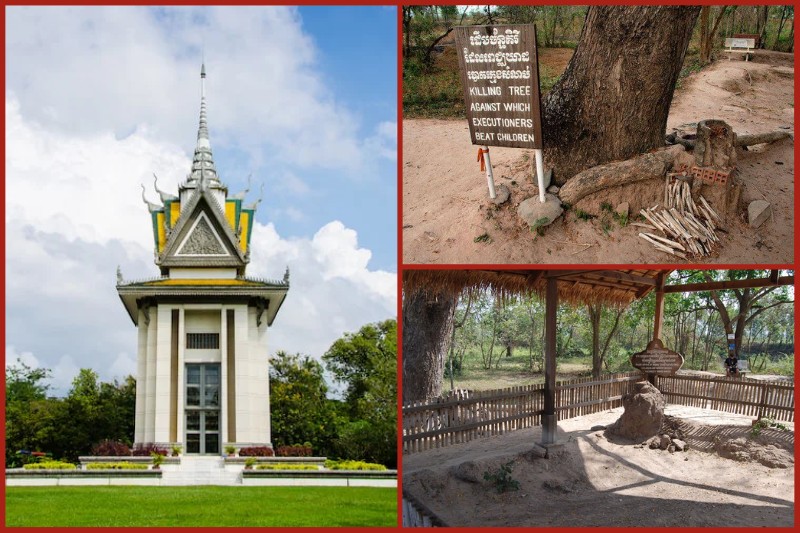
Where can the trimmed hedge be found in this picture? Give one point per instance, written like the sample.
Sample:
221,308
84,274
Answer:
352,465
146,450
287,467
256,451
110,448
116,466
294,451
49,465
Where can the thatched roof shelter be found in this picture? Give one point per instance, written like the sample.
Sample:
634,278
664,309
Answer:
616,288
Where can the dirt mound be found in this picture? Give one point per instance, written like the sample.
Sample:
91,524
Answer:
747,450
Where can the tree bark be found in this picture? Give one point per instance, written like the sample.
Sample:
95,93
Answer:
612,101
647,166
427,326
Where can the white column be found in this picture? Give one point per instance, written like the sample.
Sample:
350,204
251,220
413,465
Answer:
163,373
181,377
223,377
141,379
150,376
242,317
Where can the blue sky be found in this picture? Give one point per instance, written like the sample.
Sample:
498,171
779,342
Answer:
97,99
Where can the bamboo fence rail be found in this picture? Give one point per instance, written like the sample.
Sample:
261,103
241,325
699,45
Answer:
759,399
462,416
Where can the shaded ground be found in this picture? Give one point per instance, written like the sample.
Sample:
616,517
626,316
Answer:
592,481
446,205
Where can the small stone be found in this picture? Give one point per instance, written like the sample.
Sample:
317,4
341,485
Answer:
537,214
502,194
654,443
623,208
553,189
671,449
679,444
665,442
597,428
468,471
757,212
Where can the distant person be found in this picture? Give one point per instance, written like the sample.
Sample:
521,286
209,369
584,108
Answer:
731,365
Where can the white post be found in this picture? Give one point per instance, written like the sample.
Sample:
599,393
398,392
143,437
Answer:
540,173
489,174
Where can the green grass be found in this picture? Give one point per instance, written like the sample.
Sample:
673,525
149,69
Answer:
201,506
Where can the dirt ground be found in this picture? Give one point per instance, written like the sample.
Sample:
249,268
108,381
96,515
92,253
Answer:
596,480
446,205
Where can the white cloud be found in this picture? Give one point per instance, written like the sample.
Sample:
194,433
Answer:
124,365
90,182
140,65
26,358
383,141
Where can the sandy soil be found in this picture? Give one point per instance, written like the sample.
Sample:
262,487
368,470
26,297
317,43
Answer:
594,481
446,204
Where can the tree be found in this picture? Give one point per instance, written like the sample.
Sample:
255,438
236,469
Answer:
595,312
366,362
26,394
613,99
707,32
427,327
746,304
300,409
427,26
65,427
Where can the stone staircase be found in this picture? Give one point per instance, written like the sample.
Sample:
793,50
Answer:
200,470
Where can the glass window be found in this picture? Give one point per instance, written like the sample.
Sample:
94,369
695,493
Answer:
193,374
211,397
212,420
193,421
193,396
212,443
212,375
193,443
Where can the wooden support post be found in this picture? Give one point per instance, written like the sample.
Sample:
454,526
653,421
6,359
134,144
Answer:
659,313
549,417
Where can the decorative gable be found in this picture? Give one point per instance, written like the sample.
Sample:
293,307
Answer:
202,240
202,237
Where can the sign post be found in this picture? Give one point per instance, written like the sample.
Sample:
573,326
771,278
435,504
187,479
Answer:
500,76
656,360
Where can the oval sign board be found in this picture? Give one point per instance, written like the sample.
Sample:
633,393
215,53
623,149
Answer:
657,360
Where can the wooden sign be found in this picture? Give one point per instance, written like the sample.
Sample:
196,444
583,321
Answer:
657,360
500,76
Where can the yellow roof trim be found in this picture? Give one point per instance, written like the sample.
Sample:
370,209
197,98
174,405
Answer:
204,282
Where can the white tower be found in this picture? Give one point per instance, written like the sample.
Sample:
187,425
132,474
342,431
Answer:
202,377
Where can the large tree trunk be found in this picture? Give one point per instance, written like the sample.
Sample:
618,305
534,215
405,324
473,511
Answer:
612,101
427,326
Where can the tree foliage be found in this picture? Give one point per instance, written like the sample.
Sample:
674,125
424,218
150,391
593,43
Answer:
300,409
696,324
65,427
366,363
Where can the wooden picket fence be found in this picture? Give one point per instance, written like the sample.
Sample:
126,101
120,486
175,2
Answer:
745,396
462,416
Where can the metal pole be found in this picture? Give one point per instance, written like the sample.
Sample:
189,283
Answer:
489,174
540,173
550,325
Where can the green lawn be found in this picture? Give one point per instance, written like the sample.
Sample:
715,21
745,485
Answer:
201,506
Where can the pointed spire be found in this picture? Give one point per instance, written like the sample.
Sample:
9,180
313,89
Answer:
203,163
